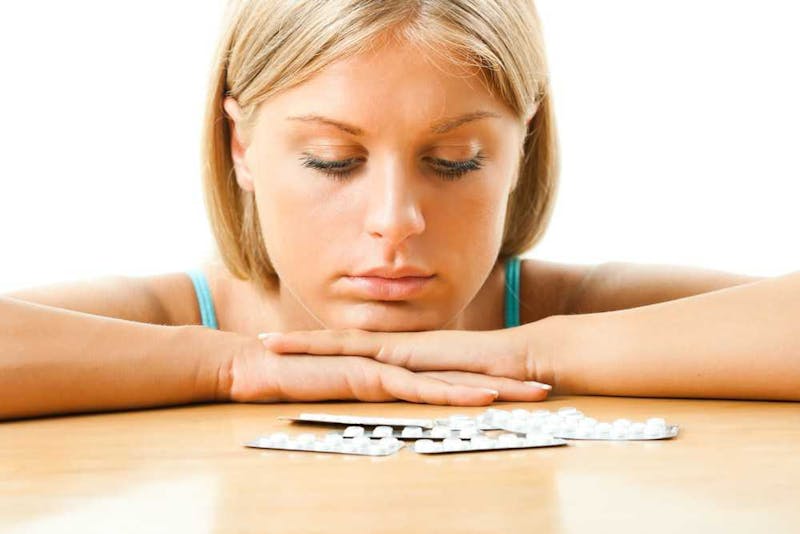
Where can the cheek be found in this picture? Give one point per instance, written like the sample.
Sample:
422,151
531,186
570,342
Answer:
472,232
302,222
473,217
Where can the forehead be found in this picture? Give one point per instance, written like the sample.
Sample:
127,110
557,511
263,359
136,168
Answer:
394,79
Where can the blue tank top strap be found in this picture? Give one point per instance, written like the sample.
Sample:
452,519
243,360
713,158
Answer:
203,298
512,292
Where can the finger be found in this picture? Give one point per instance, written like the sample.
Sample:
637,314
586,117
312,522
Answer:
416,387
417,351
349,341
509,389
308,378
497,353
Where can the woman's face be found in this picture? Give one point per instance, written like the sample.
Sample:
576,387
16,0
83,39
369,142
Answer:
388,161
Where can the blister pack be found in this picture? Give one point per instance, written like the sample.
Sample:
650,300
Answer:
332,442
570,423
334,419
412,432
381,436
486,443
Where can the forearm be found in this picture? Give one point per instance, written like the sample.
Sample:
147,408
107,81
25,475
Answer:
620,285
55,361
738,342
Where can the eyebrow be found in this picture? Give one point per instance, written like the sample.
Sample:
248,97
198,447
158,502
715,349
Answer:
439,127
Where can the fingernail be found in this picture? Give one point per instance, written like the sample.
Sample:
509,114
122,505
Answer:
494,392
539,385
266,335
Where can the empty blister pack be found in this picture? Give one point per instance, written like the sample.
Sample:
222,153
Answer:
412,432
335,419
486,443
333,442
570,423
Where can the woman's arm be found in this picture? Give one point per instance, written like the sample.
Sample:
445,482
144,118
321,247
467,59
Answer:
54,360
738,342
735,342
58,361
620,285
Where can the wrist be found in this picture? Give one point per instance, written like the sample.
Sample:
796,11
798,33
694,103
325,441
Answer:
213,352
559,347
252,373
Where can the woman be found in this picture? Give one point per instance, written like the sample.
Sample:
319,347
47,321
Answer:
374,170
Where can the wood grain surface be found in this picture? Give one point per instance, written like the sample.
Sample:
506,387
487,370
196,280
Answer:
734,467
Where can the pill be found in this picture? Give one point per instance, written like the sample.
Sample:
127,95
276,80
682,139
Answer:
423,445
381,431
569,426
388,442
411,432
552,419
618,433
452,444
602,428
440,432
279,437
305,438
353,431
359,441
333,438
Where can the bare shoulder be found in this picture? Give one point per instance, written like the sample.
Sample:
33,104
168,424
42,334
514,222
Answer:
239,305
158,299
178,297
549,288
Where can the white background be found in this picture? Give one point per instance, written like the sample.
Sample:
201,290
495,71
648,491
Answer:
677,121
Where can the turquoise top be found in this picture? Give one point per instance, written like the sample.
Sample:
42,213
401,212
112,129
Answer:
511,295
512,292
203,298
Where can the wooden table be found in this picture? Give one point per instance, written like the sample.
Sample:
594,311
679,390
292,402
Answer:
735,467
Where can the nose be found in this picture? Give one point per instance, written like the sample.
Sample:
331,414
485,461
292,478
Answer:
394,205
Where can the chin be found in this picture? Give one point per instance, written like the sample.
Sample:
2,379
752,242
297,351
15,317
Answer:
389,317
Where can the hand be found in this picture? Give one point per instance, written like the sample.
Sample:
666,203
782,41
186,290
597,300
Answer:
259,375
496,353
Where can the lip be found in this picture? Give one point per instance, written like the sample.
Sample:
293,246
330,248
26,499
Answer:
406,271
397,288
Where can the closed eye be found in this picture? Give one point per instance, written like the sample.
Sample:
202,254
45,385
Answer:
446,169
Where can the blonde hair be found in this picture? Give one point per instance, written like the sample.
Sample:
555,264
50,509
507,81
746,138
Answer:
270,45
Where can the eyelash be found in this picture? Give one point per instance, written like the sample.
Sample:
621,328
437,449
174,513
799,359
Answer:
456,169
